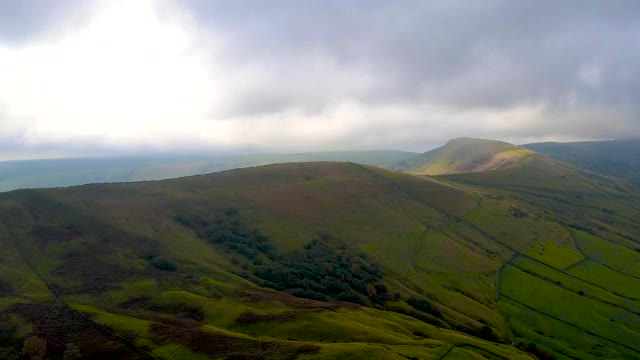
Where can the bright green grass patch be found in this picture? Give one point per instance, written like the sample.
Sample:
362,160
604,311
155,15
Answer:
480,288
429,350
604,320
564,340
35,289
616,282
371,326
117,321
144,288
364,351
619,257
554,255
428,250
220,331
463,296
13,276
463,354
179,296
177,352
341,326
6,302
353,351
542,240
222,311
577,285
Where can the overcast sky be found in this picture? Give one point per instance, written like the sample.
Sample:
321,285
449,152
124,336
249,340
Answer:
80,77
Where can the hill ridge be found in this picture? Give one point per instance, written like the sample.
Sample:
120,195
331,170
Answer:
465,154
330,259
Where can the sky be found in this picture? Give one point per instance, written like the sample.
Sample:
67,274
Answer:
105,77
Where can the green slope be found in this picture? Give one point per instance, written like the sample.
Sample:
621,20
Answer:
140,259
579,290
464,155
79,171
326,260
620,158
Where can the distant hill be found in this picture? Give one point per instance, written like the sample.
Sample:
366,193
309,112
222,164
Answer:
619,158
464,155
327,260
79,171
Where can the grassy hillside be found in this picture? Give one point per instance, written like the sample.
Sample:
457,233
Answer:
464,155
576,296
620,158
79,171
325,260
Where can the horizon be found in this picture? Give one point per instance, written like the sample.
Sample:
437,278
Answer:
202,155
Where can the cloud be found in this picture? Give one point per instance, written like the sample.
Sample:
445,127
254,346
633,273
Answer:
143,75
28,20
491,54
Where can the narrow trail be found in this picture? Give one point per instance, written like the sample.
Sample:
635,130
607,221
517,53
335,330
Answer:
446,353
574,264
499,278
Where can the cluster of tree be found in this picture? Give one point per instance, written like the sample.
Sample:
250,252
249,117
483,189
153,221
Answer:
159,263
320,272
424,306
164,265
517,212
35,348
586,229
317,271
10,342
485,332
541,352
227,231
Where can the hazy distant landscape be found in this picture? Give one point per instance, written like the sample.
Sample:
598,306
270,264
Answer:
80,171
620,158
297,180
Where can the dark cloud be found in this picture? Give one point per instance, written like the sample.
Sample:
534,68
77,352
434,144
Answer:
461,54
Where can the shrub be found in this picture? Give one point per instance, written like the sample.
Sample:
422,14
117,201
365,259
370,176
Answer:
540,351
517,212
164,265
486,332
35,348
424,306
318,271
71,352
